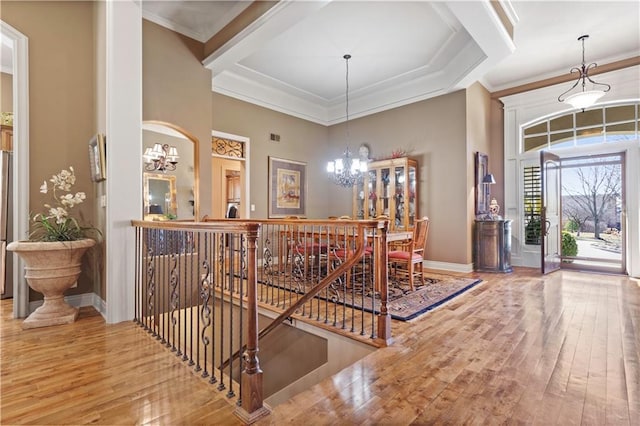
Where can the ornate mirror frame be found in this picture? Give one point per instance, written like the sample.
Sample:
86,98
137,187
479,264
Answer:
169,207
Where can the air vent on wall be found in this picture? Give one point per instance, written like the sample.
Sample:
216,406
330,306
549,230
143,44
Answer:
274,138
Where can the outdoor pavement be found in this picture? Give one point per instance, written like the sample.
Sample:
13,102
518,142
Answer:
589,248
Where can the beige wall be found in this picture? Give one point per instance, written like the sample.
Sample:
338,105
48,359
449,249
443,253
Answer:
177,89
478,140
496,151
100,95
300,140
61,98
6,92
433,131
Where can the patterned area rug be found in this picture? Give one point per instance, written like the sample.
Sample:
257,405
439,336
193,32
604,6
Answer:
403,304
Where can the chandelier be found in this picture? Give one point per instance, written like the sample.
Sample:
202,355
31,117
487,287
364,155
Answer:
585,98
160,158
346,171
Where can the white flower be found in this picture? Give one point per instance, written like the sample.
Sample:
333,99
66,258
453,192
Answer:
71,200
55,223
59,213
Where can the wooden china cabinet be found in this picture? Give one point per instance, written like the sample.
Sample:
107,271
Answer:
6,138
390,188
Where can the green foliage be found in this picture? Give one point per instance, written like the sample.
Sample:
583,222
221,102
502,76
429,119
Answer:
572,226
533,231
569,245
55,222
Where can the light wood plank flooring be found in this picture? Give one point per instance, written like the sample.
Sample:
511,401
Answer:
519,348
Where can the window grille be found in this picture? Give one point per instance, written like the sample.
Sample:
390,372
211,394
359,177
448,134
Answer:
227,148
606,124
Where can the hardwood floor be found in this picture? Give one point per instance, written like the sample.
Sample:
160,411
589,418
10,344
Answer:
519,348
90,372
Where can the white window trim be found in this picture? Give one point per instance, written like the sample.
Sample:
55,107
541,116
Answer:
521,110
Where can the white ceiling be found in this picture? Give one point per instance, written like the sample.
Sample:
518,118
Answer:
291,60
402,51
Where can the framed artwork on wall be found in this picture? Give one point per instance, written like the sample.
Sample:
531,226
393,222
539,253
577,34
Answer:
482,190
287,188
97,160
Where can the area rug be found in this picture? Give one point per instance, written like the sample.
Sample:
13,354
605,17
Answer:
403,304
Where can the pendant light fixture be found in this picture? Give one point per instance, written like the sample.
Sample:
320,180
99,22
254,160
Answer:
584,98
347,170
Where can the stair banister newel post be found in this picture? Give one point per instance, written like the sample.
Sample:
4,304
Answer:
384,319
251,407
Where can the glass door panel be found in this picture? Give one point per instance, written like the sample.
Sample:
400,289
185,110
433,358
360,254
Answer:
399,196
385,177
360,197
372,196
412,196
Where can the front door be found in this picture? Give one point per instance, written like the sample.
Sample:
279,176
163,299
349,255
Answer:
551,208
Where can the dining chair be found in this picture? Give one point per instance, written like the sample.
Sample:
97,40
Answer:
411,253
303,245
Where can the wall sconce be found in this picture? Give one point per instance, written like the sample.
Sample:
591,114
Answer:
160,158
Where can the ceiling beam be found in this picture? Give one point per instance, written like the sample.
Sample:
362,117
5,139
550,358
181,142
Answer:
600,69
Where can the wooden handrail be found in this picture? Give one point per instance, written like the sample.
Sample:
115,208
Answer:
324,283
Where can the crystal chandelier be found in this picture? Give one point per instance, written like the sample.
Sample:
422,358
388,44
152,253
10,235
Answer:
161,158
585,98
346,171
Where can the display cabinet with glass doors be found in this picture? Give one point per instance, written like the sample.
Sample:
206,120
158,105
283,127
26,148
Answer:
389,188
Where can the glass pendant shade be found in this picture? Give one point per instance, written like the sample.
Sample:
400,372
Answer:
582,100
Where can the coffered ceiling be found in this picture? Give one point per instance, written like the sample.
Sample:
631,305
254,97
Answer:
290,59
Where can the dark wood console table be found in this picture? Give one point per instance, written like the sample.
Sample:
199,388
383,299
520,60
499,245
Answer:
492,246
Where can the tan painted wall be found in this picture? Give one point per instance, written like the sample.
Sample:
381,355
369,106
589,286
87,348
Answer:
478,139
6,92
100,93
300,140
61,98
496,152
176,88
434,132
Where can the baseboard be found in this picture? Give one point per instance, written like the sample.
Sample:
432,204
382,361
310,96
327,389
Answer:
100,305
78,301
451,267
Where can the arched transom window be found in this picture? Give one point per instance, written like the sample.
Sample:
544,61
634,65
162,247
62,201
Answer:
606,124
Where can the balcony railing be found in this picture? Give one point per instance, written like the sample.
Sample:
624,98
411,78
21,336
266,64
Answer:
200,287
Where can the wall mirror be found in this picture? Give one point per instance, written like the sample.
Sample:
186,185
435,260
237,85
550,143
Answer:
165,174
160,196
481,189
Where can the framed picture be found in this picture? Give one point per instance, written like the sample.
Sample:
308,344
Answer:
97,158
287,188
482,190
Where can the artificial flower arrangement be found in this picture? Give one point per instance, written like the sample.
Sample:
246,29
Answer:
56,224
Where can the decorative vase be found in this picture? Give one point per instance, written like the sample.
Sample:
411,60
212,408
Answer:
51,269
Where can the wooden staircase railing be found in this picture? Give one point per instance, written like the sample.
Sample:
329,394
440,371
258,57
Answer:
196,280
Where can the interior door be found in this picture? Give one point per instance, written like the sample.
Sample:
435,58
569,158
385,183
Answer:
551,208
228,180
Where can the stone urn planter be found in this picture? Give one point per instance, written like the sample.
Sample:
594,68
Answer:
51,269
